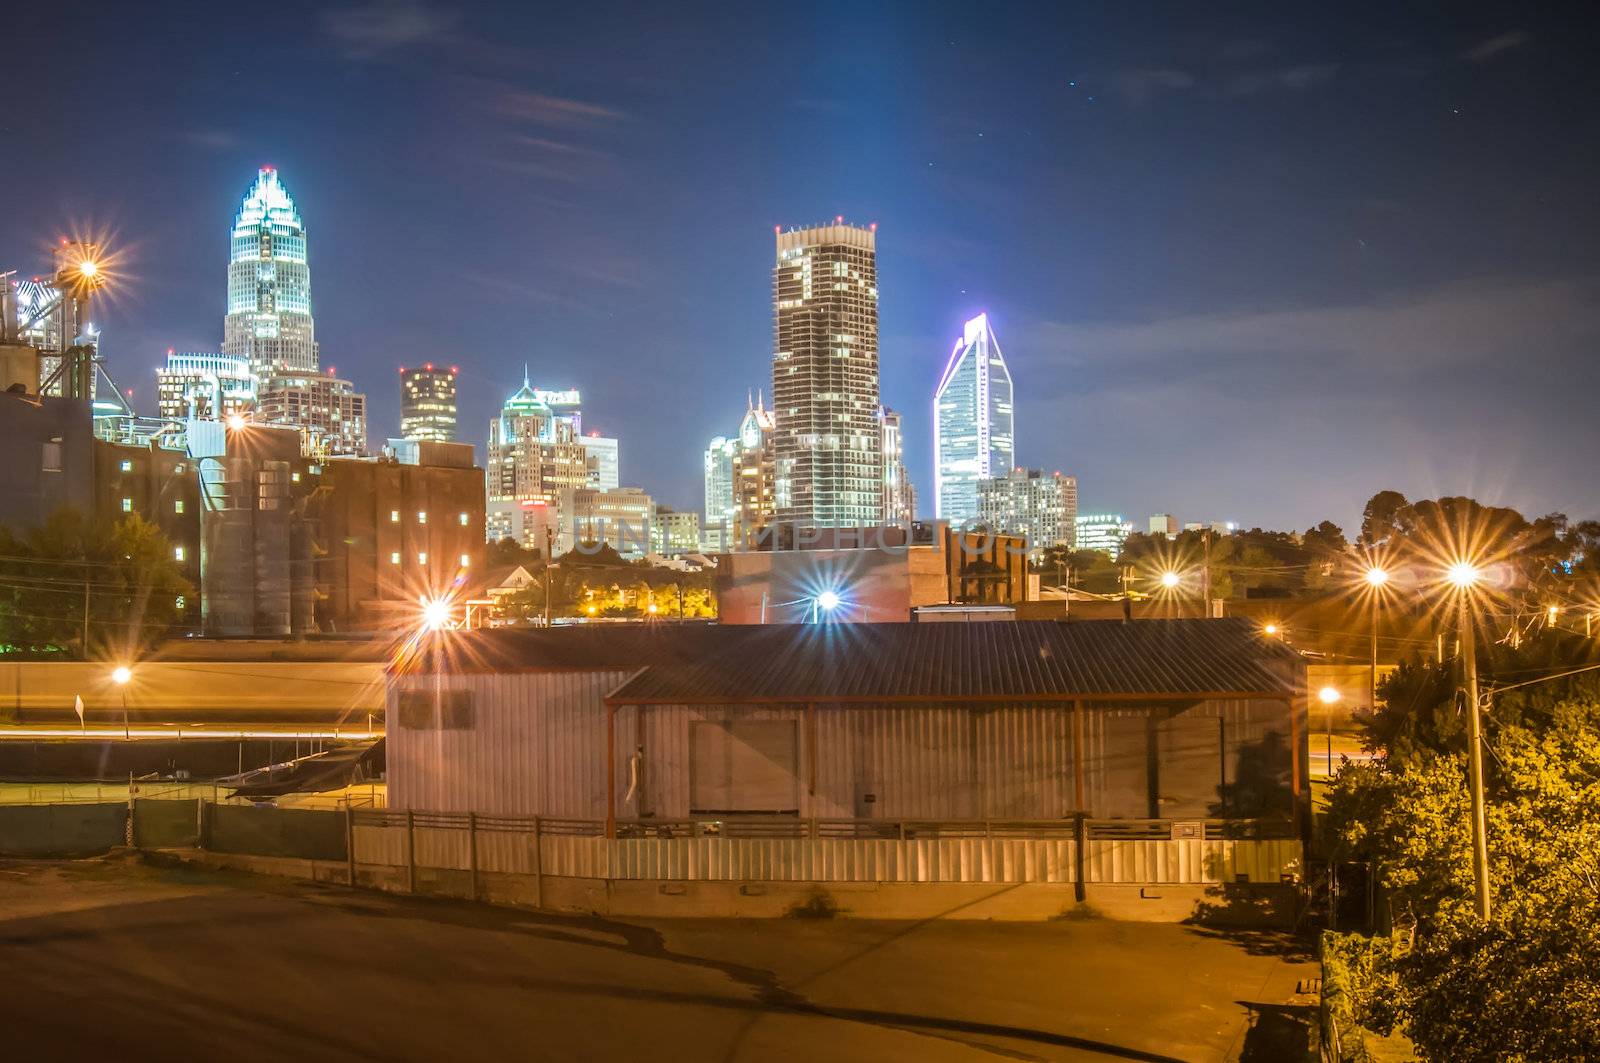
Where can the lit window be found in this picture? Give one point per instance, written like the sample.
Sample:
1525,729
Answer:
463,520
466,561
422,516
422,557
394,558
177,553
127,505
177,507
179,601
127,466
394,516
294,477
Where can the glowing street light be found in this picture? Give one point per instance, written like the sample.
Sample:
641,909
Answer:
435,614
236,422
828,600
1270,629
1170,578
89,269
121,675
1328,695
1463,575
651,609
1376,577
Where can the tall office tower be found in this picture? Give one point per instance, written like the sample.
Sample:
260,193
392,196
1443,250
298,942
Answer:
208,386
330,410
269,284
604,468
899,497
428,403
1103,531
825,377
534,456
721,511
754,489
973,433
1026,502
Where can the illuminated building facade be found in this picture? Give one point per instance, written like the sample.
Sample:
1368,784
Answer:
1104,532
428,403
269,284
198,384
1041,508
899,497
534,454
330,410
604,468
721,510
827,461
973,432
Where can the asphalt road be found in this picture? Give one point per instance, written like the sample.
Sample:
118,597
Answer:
116,959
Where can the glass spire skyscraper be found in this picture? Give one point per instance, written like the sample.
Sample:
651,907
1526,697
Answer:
973,433
269,284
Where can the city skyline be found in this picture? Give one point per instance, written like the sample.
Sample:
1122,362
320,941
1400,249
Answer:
1251,316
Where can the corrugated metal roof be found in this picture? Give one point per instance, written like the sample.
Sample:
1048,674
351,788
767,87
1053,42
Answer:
879,662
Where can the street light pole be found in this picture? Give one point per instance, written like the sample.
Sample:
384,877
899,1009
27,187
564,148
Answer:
1480,841
1372,691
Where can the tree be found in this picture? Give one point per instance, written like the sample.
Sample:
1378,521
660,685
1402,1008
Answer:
1380,520
121,577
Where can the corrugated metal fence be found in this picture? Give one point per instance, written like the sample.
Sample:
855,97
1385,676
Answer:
1126,852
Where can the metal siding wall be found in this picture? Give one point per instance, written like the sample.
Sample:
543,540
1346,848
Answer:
536,748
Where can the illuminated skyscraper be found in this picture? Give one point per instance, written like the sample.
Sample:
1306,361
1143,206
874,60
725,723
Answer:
828,467
1041,508
269,284
204,385
535,456
721,507
973,434
899,497
428,403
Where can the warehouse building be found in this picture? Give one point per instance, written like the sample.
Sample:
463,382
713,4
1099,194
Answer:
1175,722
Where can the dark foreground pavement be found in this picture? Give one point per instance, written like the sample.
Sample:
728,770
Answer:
116,959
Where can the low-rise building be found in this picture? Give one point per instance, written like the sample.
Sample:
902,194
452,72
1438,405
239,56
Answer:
1104,532
674,533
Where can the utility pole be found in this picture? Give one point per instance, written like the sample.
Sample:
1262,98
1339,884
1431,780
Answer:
86,618
549,559
1480,841
1372,692
1205,573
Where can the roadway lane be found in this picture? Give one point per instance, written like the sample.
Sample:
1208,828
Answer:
121,960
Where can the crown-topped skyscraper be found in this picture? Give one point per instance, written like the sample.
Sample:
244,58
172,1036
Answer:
269,284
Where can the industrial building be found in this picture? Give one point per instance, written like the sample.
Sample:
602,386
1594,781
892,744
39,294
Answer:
867,575
1172,721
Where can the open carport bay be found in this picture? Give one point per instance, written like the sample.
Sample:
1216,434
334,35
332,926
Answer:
118,957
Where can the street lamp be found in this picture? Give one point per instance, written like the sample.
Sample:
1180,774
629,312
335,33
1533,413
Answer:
1170,579
1269,629
236,422
435,614
122,675
1464,576
1377,578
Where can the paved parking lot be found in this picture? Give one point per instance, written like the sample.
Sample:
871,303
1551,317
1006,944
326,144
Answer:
118,958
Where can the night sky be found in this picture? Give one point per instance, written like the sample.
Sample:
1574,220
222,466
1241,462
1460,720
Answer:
1246,262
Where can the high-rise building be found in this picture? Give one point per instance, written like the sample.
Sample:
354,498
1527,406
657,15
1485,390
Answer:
428,403
973,432
1041,508
674,532
622,519
534,454
269,284
203,385
721,510
604,469
330,410
828,467
899,497
1103,531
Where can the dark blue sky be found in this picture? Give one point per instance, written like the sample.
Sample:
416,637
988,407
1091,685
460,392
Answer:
1247,262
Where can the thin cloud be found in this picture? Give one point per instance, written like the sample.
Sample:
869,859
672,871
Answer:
377,29
1496,45
1472,324
540,109
1294,78
1139,86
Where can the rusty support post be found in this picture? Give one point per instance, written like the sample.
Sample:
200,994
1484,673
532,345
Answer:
472,851
538,865
611,770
